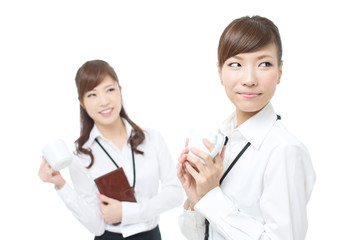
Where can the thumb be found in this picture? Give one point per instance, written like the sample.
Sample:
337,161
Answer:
222,154
103,198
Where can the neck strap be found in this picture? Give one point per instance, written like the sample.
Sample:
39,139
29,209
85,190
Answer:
206,234
234,161
133,160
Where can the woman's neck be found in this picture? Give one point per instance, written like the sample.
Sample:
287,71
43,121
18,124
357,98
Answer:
115,132
242,117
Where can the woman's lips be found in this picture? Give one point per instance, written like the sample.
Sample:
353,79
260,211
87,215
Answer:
249,95
106,112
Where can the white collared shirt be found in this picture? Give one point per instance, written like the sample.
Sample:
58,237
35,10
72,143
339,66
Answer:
265,194
156,165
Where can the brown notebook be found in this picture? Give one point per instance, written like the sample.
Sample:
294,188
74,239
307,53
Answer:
115,185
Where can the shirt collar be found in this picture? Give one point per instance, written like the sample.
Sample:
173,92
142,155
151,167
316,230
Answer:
255,128
95,132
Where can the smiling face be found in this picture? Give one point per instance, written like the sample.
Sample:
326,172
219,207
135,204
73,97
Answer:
103,103
250,80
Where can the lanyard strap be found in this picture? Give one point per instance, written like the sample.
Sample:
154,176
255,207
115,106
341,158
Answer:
234,162
278,117
222,179
133,160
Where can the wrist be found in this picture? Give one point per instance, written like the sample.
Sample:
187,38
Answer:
206,191
188,205
60,184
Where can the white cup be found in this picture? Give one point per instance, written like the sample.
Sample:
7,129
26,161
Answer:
196,140
57,154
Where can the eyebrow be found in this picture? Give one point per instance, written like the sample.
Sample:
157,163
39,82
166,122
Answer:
264,56
106,86
258,58
109,85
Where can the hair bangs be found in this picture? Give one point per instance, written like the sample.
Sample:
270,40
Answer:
91,74
247,35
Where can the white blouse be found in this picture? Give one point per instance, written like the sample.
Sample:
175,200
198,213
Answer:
265,194
155,166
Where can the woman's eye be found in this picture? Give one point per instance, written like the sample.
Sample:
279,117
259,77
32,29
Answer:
91,95
111,89
234,65
265,64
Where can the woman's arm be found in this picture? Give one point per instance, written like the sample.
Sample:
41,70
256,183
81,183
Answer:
288,182
82,201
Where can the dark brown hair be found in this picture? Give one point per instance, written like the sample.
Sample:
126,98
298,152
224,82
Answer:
89,75
248,34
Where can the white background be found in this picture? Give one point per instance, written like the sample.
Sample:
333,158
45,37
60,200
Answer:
164,53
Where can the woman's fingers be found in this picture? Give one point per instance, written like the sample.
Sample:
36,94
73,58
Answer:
196,162
192,171
104,198
207,160
208,145
218,160
183,154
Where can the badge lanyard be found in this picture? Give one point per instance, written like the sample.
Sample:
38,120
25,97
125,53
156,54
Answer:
133,160
222,179
227,171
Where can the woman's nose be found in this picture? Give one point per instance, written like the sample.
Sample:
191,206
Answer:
103,100
249,78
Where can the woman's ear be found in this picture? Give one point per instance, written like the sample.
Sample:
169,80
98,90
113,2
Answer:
81,104
280,71
219,72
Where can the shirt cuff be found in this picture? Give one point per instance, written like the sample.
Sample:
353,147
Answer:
206,205
197,217
191,224
130,213
220,210
66,193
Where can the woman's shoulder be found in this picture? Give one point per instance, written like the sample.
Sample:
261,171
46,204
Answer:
79,160
153,138
152,134
281,136
288,151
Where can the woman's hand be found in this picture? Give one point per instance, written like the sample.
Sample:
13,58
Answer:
47,174
187,181
111,209
207,176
